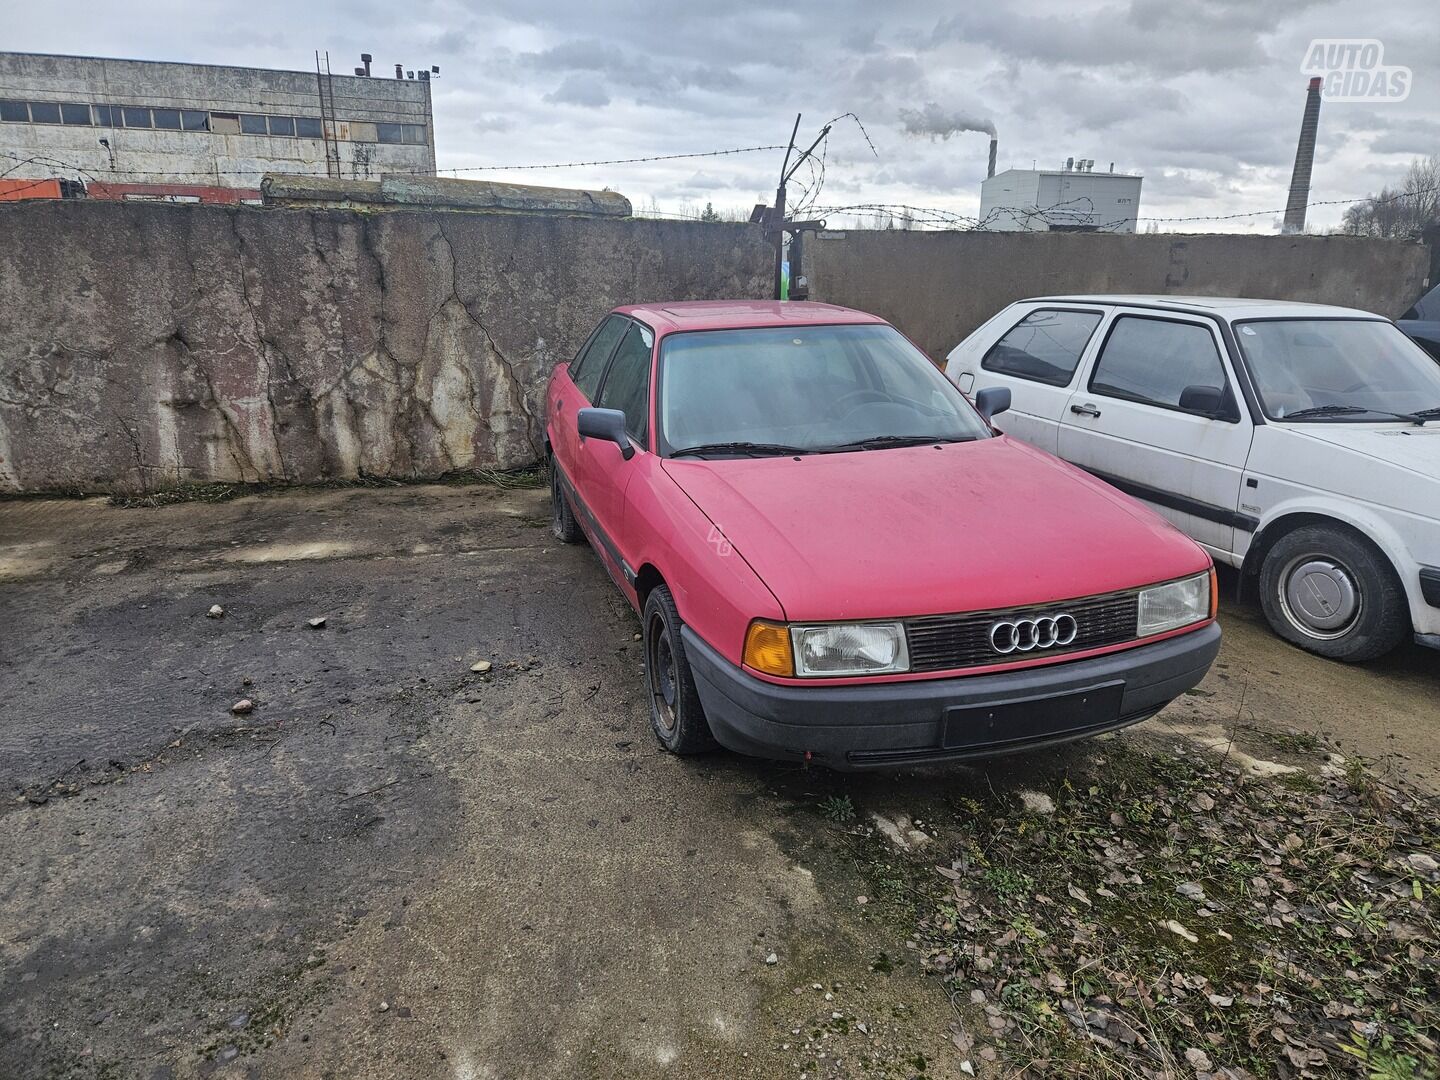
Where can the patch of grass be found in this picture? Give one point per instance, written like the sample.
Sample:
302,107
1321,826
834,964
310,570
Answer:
530,476
210,493
838,808
1176,916
1296,742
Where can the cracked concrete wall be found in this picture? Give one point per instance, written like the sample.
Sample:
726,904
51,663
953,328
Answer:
150,345
938,287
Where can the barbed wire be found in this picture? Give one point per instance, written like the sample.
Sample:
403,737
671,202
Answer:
318,163
1372,199
613,161
808,203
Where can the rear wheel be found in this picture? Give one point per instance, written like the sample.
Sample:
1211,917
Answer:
562,519
1330,592
676,715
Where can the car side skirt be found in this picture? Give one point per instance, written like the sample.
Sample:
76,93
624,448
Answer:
1183,503
611,557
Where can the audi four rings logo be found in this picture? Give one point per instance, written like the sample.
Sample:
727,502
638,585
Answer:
1024,635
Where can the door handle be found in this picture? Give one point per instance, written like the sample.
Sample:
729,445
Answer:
559,404
1085,410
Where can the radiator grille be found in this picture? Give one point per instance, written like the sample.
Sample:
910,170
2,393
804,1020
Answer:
941,642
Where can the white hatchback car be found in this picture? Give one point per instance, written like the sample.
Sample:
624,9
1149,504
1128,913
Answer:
1297,442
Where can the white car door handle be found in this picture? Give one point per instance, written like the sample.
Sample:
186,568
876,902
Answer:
1084,410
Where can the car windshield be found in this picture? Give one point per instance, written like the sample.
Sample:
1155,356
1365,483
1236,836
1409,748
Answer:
805,389
1338,370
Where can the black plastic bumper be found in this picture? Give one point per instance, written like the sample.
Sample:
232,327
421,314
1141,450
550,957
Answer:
1430,585
878,724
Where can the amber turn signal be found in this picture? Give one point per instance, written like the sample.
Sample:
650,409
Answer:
767,648
1214,593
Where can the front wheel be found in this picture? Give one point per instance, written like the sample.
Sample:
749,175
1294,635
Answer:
1330,592
676,715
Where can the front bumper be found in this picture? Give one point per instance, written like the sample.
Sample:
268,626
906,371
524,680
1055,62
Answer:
895,723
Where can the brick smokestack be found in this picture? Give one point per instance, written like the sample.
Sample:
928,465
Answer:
1304,159
994,145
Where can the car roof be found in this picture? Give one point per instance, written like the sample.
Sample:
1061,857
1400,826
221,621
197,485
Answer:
1230,307
668,317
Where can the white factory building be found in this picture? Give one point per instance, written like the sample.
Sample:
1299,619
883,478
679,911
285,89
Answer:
1074,198
200,132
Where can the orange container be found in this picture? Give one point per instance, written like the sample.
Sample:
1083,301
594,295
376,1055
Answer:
13,190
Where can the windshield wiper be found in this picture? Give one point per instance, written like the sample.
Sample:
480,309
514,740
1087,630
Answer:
880,441
753,449
1427,414
1350,410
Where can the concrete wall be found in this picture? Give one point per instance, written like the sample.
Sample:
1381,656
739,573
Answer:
138,155
938,287
151,345
148,345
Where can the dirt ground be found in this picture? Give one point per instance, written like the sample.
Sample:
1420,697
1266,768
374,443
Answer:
395,867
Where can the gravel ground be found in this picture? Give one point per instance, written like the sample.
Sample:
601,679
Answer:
393,866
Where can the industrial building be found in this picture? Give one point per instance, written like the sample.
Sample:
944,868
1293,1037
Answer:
140,129
1075,198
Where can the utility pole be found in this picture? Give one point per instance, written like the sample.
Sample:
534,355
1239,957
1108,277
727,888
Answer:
777,220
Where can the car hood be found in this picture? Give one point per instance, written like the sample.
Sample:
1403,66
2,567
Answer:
920,531
1405,447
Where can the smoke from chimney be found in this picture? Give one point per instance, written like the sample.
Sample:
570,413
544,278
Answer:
940,123
1304,160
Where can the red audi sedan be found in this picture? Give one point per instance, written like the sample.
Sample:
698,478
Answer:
836,556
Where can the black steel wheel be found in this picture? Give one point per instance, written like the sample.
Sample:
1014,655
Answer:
676,715
562,518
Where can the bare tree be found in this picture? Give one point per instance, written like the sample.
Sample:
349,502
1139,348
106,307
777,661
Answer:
1403,212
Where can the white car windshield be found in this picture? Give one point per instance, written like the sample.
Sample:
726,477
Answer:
1337,370
805,389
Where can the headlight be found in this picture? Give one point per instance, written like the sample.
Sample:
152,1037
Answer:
1180,603
850,649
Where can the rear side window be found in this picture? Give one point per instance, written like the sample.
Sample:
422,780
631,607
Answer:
1045,346
1154,360
627,387
590,364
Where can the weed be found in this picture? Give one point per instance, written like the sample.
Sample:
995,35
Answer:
838,808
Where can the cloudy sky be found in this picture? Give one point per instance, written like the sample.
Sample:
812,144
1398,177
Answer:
1203,97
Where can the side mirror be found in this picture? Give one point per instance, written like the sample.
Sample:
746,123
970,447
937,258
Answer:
607,424
1211,401
992,401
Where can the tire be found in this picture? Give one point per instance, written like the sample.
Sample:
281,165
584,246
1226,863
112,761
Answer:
676,715
1329,591
562,518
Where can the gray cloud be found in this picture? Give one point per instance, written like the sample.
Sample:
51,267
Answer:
1155,35
579,90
